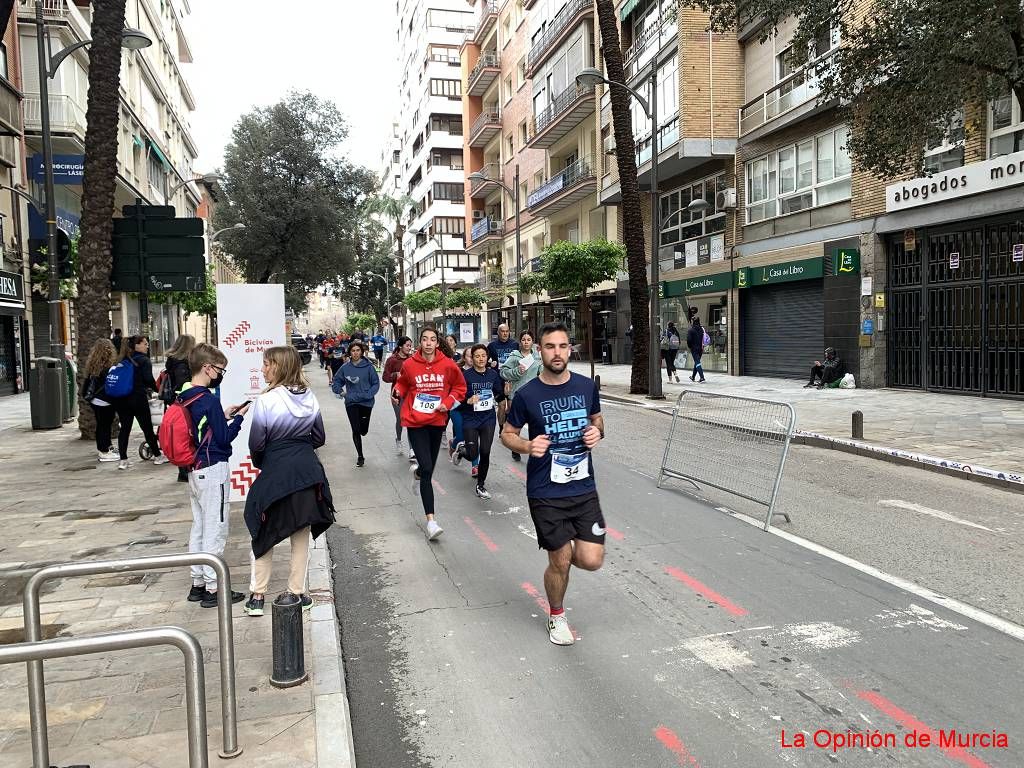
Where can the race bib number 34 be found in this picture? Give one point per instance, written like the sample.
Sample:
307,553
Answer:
426,403
570,467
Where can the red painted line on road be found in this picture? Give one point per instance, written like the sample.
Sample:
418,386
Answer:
516,471
705,590
674,744
437,487
542,602
908,721
617,535
481,535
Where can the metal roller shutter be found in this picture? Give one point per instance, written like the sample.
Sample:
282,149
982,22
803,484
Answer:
783,329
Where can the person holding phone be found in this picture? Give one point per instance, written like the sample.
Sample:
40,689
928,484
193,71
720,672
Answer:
429,385
209,482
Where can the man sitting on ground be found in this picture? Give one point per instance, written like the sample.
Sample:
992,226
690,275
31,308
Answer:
828,374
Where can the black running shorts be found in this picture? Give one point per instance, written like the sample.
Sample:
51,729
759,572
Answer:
559,521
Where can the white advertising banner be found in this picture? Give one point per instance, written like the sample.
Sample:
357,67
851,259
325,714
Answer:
250,319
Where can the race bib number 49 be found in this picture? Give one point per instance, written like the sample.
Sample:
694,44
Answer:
485,402
570,467
426,403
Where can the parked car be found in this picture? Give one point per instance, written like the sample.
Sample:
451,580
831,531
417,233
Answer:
300,343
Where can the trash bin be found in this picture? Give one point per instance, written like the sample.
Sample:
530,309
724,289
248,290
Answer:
46,393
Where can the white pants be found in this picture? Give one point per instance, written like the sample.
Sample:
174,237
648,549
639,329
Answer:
210,491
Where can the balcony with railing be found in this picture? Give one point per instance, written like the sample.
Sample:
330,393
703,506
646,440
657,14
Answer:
570,108
650,41
57,10
485,127
487,230
560,27
484,74
66,115
484,186
490,278
577,181
795,96
486,20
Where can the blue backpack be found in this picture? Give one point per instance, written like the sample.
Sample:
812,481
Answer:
120,379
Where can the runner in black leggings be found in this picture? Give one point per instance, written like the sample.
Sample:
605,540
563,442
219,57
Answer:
429,385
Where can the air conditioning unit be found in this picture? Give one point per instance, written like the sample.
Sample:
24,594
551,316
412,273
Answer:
477,215
726,198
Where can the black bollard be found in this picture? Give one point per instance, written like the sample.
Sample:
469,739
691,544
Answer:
289,654
597,381
858,425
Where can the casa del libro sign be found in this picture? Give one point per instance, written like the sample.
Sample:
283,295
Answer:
973,179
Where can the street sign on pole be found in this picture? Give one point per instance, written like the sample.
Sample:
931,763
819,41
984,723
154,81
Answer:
153,251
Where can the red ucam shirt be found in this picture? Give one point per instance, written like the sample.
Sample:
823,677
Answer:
423,386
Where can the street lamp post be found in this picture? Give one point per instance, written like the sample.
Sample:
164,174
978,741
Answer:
206,178
219,232
133,39
592,76
480,176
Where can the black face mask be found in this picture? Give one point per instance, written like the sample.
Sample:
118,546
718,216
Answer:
214,383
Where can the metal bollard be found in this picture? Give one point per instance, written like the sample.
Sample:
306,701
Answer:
289,652
597,381
858,425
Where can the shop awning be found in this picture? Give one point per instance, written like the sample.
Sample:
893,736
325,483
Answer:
137,141
627,8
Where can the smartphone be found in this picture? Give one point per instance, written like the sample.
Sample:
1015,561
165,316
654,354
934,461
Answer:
240,408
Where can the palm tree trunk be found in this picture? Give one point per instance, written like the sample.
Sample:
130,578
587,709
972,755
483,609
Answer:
632,212
98,186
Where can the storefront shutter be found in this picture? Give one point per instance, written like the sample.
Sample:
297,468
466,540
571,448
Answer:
783,329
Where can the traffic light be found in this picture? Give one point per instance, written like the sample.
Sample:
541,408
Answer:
65,267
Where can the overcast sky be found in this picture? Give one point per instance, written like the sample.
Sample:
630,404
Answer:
251,52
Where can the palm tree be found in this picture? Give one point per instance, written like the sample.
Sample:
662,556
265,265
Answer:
632,212
398,210
94,260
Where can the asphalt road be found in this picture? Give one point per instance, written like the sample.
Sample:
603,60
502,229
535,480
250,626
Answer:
702,642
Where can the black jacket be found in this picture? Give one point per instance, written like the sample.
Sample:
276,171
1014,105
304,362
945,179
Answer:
832,369
179,371
695,340
290,494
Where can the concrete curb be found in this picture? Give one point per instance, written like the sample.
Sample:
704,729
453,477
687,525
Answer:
1009,481
334,746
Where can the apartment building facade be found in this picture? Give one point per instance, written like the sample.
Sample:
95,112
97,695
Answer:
156,149
430,161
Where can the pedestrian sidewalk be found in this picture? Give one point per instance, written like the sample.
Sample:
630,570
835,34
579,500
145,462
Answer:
967,433
127,709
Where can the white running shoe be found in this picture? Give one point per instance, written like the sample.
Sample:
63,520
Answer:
110,455
412,455
558,630
161,459
457,453
398,447
123,464
414,470
433,530
482,493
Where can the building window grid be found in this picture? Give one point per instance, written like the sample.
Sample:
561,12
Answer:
685,226
1005,126
808,174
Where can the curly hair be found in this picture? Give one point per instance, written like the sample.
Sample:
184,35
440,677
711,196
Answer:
101,357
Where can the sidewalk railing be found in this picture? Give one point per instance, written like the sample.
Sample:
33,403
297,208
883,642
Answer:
735,444
36,652
33,632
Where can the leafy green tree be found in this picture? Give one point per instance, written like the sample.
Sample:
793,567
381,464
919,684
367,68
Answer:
300,201
359,321
363,287
573,269
906,71
632,209
468,297
427,300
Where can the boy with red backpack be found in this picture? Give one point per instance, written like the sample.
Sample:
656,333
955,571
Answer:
196,434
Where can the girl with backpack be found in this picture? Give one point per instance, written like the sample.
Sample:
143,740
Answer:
101,358
176,375
696,339
128,383
291,498
670,344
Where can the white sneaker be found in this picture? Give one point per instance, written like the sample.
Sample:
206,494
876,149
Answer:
433,530
110,455
161,459
457,453
398,447
412,455
414,470
482,493
123,464
558,630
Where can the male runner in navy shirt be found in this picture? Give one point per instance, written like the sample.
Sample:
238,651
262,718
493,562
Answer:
563,412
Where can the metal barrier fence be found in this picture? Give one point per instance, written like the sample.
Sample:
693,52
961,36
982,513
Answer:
33,632
195,681
735,444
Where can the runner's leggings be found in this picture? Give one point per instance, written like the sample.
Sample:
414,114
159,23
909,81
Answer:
398,419
478,446
426,444
134,407
359,418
